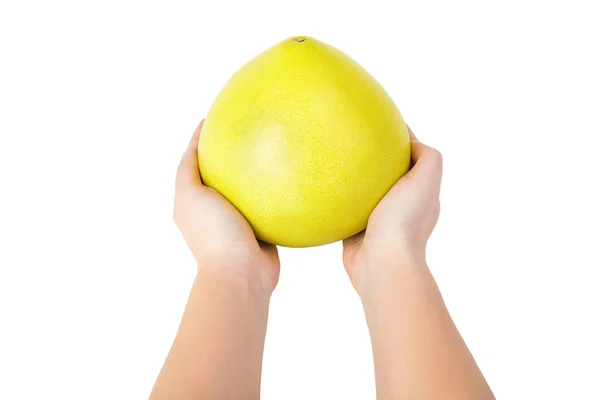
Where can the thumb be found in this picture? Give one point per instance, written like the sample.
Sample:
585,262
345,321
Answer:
188,172
428,164
411,133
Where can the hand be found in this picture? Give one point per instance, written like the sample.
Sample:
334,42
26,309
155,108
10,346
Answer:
213,228
403,220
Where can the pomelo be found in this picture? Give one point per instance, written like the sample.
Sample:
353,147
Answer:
304,143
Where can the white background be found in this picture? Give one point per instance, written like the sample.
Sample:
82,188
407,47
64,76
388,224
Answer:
98,100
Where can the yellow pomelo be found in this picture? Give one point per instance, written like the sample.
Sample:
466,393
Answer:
304,143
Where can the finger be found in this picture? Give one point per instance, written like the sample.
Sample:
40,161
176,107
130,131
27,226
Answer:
188,172
193,145
410,133
428,162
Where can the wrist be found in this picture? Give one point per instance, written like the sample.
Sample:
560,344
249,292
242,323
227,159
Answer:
236,272
384,266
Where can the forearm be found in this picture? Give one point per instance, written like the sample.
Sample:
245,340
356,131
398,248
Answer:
418,352
218,350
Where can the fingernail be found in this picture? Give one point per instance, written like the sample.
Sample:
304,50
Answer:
411,133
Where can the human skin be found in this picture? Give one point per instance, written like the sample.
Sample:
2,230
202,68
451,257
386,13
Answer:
217,352
418,351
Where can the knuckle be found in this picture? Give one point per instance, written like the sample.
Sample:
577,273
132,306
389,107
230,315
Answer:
436,156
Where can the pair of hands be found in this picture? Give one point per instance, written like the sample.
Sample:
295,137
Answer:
400,224
417,350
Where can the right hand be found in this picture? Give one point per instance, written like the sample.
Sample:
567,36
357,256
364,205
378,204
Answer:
400,226
215,230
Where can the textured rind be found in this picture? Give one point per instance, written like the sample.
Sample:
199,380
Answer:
304,143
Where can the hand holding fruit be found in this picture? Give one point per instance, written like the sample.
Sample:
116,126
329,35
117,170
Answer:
301,148
402,222
216,233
